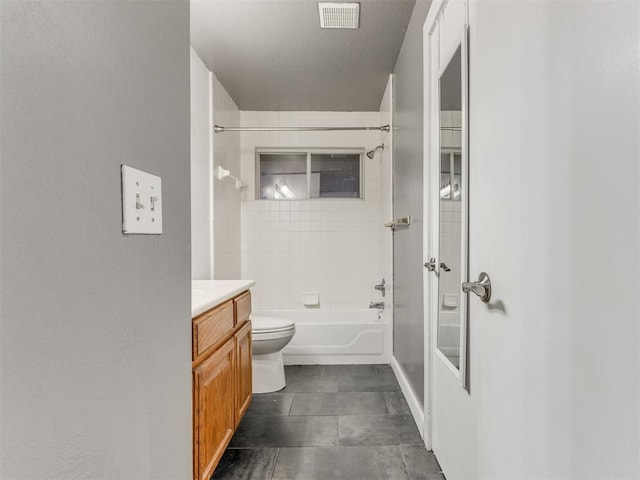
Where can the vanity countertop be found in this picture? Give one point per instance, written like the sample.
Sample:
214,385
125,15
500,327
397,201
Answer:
206,294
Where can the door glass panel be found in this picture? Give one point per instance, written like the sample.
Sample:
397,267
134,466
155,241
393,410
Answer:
452,247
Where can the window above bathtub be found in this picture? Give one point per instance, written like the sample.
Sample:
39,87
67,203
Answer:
300,174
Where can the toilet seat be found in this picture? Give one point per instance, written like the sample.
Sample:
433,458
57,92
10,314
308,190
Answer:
265,336
262,325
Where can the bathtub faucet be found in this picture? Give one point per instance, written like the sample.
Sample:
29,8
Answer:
379,305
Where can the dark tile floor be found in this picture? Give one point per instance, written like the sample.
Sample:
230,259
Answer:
331,422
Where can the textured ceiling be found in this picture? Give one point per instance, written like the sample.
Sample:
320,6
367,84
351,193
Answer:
272,54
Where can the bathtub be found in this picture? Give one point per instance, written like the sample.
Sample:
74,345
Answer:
336,336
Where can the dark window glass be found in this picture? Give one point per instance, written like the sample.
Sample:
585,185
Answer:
335,175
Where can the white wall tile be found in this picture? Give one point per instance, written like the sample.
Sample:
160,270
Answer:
330,246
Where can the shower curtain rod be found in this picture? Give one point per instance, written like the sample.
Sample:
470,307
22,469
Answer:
220,129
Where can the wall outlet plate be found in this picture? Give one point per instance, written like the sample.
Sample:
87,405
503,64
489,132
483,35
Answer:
141,202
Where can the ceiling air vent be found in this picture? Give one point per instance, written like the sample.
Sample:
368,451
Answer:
339,15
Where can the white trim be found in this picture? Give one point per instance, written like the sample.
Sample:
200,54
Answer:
459,372
390,139
464,190
453,370
427,240
431,212
435,10
410,396
308,151
301,150
211,182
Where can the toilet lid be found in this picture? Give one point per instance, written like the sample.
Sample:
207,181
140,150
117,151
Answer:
271,324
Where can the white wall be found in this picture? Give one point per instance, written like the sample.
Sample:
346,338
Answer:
95,340
201,172
226,152
555,117
330,246
408,315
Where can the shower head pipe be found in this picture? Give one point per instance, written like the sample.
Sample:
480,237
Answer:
371,153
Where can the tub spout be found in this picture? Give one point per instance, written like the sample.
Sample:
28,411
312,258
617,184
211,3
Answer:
379,305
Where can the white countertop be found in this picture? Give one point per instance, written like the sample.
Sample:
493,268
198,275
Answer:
206,294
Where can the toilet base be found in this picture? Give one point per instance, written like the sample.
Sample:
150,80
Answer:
268,373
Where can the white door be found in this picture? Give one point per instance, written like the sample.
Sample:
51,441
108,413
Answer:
553,381
451,417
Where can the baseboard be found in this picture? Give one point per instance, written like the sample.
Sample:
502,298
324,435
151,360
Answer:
414,404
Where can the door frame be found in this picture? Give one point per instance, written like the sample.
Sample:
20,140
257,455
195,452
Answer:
431,206
435,11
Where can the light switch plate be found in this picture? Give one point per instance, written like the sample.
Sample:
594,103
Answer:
141,202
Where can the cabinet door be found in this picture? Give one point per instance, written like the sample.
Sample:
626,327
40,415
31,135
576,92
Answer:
214,409
244,377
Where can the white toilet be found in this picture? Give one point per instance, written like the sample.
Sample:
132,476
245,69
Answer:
269,335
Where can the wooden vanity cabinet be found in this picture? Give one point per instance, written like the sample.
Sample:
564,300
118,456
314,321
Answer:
244,386
222,381
242,306
215,409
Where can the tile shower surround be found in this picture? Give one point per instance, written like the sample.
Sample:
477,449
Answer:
316,245
330,246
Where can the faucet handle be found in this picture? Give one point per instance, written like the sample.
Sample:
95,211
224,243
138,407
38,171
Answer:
381,287
431,264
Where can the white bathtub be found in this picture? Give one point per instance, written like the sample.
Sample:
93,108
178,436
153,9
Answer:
335,336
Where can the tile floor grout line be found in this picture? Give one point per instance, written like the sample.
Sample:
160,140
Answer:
275,463
293,399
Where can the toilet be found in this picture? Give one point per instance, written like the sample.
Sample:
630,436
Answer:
269,335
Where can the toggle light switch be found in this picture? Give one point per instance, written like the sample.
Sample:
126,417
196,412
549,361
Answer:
141,202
